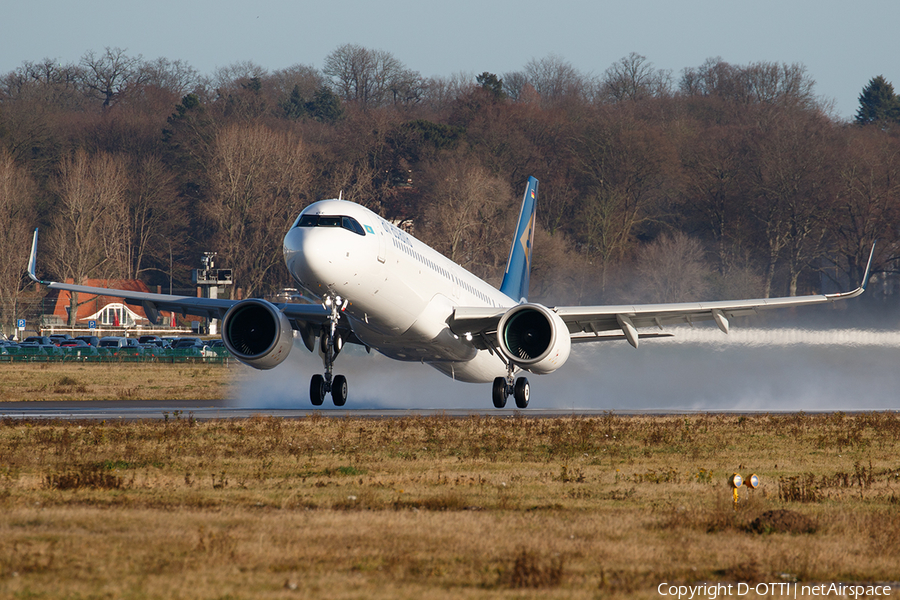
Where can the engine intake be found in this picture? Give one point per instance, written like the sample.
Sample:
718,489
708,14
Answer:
257,333
534,338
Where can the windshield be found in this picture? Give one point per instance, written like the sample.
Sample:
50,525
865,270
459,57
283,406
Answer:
348,223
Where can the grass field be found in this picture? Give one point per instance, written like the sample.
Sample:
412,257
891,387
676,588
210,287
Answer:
71,381
433,507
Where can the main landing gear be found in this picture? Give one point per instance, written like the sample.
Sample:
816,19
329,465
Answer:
330,345
504,387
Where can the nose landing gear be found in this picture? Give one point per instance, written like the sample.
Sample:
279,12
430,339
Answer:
331,344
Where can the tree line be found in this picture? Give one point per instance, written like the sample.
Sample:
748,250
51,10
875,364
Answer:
720,182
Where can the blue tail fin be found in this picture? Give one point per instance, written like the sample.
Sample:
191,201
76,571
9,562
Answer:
518,267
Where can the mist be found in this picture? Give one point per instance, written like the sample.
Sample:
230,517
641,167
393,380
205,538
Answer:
754,369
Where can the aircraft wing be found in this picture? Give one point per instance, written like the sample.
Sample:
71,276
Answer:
603,323
214,308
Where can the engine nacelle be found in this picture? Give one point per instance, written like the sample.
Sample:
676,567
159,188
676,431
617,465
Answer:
257,333
534,338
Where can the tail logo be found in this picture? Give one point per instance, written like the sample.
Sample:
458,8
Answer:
526,240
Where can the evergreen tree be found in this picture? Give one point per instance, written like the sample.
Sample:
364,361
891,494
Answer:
878,103
492,84
295,106
325,106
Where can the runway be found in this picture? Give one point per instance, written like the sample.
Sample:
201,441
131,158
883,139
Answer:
137,410
700,371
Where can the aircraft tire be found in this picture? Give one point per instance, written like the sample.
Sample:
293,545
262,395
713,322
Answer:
522,392
499,392
317,390
339,390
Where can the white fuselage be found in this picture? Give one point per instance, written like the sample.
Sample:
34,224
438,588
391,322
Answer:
401,291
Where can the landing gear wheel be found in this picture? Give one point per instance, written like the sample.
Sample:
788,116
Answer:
499,392
317,390
339,390
522,392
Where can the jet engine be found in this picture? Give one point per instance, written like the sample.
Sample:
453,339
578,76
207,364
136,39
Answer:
534,338
257,333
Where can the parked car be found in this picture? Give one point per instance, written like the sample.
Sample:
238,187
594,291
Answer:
152,351
188,343
73,344
151,339
77,349
191,347
93,340
36,347
38,339
58,338
112,341
217,347
120,347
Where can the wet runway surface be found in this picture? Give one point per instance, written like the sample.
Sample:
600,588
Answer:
135,410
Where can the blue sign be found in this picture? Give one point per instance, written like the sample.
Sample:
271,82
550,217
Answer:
20,323
92,324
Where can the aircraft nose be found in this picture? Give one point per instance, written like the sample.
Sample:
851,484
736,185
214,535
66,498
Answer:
304,257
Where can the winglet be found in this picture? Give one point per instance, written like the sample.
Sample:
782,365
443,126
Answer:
862,284
518,266
32,260
865,279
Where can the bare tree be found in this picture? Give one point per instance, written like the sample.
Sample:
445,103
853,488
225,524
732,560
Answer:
467,213
554,78
89,226
513,84
154,214
17,214
672,268
633,77
306,79
231,77
372,78
176,77
439,93
109,76
793,189
621,174
866,207
257,177
761,82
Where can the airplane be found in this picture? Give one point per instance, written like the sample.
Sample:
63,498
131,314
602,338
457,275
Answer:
378,286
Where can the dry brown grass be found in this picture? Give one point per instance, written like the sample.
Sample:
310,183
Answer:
31,382
438,507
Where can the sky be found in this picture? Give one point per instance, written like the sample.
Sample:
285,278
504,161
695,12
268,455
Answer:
842,44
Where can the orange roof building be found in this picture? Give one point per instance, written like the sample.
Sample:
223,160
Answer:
107,311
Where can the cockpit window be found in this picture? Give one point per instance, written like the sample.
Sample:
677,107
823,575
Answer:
348,223
353,225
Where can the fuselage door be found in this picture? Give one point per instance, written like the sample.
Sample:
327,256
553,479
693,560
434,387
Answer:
455,280
382,242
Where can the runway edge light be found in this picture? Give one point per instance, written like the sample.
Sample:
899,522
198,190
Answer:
735,482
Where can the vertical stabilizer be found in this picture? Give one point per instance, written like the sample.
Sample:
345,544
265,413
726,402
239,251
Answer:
518,267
